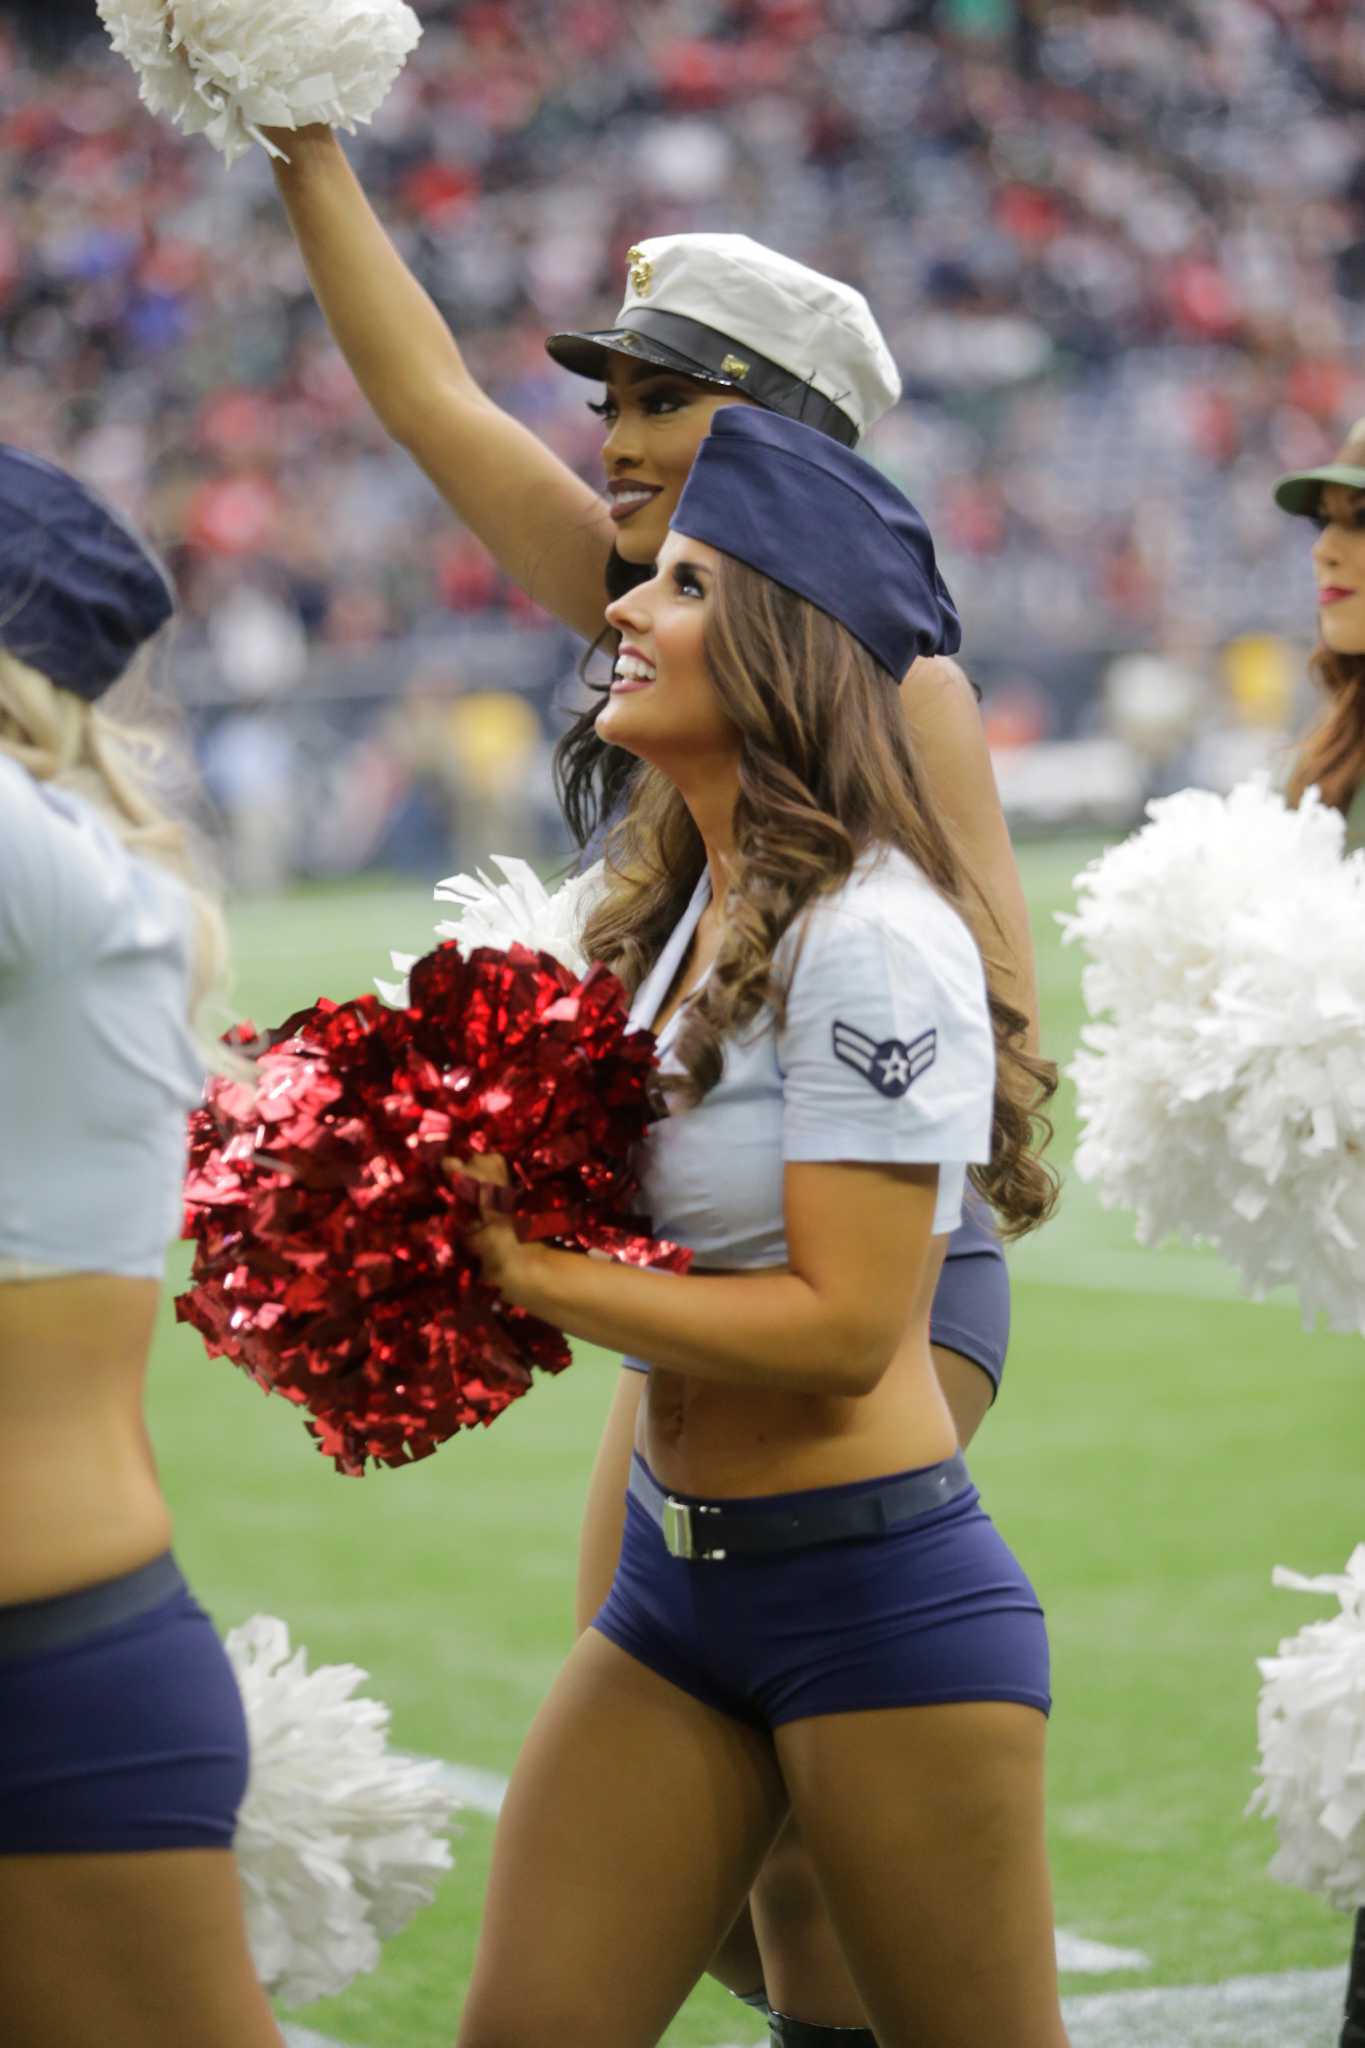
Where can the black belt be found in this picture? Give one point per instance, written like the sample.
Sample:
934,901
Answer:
711,1530
33,1627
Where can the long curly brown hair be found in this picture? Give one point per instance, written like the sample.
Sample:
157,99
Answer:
1333,755
592,778
825,775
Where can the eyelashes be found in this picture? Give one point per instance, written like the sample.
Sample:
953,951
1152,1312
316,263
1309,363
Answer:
654,402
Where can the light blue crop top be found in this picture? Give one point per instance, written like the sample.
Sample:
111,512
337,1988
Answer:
886,1054
98,1069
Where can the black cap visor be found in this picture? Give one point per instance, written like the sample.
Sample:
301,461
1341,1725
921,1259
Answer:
586,354
674,342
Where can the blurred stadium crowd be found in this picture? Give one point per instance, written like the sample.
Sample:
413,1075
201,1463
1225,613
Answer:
1119,253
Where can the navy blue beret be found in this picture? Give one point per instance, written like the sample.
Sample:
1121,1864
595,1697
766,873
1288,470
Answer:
79,592
816,518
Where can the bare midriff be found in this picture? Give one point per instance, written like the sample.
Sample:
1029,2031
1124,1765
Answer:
701,1437
80,1501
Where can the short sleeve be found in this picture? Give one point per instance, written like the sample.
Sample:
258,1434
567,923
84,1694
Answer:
29,877
886,1049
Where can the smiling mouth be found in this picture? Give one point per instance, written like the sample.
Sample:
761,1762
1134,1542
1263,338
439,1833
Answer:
632,672
628,499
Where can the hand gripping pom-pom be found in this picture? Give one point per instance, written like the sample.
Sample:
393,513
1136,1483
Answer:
330,1263
519,910
339,1841
227,69
1222,1091
1312,1735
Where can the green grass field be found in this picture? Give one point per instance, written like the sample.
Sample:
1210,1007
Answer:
1158,1447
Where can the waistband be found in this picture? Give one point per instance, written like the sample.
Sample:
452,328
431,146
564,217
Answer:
34,1626
770,1523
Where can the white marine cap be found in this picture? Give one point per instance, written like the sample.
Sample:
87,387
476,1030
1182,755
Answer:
728,310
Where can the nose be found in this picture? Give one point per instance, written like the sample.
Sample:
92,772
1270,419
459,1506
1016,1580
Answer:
621,448
632,614
1327,546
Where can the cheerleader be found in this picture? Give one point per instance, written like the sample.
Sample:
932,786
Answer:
707,321
1333,756
811,1609
123,1753
1333,759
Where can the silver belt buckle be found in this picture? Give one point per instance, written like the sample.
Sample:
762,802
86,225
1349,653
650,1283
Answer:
678,1540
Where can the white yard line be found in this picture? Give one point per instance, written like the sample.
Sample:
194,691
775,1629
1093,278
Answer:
1299,2010
1096,1958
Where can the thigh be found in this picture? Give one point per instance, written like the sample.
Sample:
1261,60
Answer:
599,1543
925,1826
804,1968
632,1828
128,1951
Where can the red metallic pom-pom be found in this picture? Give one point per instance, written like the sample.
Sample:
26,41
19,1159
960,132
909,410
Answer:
329,1257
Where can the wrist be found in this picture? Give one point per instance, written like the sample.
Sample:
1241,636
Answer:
302,145
524,1279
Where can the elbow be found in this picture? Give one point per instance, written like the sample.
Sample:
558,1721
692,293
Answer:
861,1356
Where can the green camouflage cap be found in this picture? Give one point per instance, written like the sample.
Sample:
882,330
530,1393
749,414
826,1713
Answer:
1300,492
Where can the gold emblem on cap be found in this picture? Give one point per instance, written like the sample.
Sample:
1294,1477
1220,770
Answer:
641,272
736,367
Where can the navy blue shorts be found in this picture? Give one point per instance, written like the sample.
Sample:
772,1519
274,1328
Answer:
121,1726
935,1610
971,1311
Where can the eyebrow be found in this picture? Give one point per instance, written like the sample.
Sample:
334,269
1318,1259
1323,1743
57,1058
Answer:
638,374
694,568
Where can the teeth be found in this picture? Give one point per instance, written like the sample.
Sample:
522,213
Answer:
631,665
631,500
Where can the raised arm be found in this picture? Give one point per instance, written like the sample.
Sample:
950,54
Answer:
546,528
950,744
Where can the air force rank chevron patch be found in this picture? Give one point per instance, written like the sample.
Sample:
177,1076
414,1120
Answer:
889,1064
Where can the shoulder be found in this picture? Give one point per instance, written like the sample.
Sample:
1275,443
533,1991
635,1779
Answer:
67,881
889,908
937,691
20,796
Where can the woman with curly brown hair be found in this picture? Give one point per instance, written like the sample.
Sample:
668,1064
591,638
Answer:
1332,758
812,1613
707,321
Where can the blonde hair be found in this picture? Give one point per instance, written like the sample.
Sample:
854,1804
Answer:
120,760
825,775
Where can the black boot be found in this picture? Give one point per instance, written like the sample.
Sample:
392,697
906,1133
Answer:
788,2033
1353,2020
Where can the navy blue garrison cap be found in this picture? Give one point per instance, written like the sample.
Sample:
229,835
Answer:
815,517
79,592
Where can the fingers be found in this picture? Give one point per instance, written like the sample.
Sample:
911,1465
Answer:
483,1179
488,1166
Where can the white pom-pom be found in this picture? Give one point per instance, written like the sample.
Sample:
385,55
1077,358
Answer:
1223,1098
519,910
227,69
1312,1732
339,1842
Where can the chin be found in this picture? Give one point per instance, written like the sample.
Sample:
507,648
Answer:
1343,636
613,729
639,541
